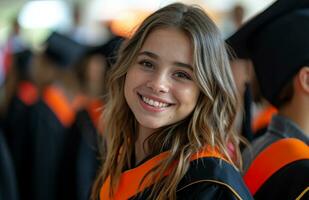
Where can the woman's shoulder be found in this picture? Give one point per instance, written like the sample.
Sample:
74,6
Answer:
213,177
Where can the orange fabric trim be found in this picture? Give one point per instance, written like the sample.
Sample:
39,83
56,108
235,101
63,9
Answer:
273,158
130,180
27,93
94,109
263,118
60,105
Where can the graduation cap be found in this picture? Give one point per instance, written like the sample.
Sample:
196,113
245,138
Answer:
277,42
64,51
22,60
108,49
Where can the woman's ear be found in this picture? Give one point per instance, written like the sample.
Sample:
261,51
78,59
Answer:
303,79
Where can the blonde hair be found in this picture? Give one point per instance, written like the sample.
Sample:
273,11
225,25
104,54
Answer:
210,123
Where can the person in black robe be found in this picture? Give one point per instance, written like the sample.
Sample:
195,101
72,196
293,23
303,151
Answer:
16,121
83,155
53,115
276,41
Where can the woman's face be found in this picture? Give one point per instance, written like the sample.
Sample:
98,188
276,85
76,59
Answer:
160,88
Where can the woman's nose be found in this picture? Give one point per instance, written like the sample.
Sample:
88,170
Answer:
159,83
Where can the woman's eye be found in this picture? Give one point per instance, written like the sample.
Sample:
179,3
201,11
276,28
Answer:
183,75
146,64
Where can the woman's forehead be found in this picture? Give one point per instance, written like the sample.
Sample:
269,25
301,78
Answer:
169,43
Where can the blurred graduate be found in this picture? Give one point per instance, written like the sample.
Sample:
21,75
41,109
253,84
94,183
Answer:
277,42
53,115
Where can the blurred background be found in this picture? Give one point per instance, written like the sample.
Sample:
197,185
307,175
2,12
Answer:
90,21
38,17
55,56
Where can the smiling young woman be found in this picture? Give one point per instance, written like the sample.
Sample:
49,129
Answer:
170,113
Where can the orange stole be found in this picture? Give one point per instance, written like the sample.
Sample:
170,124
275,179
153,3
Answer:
130,180
60,105
27,93
273,158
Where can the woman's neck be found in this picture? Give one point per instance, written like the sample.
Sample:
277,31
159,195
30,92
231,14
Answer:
141,147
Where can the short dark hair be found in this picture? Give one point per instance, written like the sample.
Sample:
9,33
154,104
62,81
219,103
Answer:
286,94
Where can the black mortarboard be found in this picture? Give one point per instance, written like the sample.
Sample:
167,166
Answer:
108,49
64,51
22,60
277,42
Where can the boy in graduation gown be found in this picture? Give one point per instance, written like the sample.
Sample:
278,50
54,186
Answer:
53,115
16,122
86,127
277,42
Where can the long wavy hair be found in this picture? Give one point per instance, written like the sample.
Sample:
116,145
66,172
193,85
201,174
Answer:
211,122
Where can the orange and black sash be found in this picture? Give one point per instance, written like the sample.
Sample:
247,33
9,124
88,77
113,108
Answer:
27,93
129,184
272,159
60,105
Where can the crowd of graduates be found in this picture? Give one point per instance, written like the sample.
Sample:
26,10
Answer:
50,119
52,143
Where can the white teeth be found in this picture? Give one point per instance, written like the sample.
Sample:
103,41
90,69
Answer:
154,103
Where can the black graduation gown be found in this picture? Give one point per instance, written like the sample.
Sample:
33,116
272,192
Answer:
81,158
8,184
19,143
209,179
277,165
290,187
17,131
49,136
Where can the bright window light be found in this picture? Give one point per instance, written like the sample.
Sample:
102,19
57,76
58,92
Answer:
44,14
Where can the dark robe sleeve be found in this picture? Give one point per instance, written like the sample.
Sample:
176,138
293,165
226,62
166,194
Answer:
213,178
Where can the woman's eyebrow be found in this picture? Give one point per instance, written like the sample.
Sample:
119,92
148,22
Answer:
155,56
150,54
184,65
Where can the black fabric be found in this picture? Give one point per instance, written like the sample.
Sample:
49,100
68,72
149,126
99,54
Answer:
20,144
108,49
49,138
196,184
206,191
277,42
282,185
22,62
81,159
65,159
258,133
88,160
64,51
246,123
8,184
